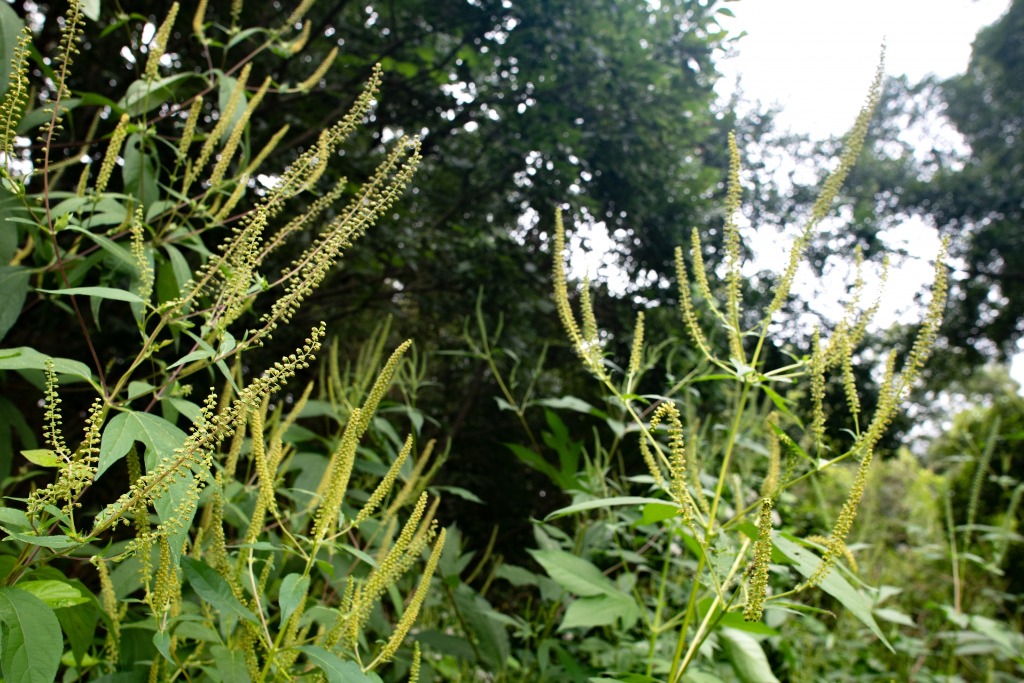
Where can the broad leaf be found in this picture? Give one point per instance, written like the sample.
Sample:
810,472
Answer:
293,589
600,610
834,584
32,640
14,285
746,656
334,667
25,358
607,503
575,574
211,587
44,457
230,665
10,30
54,593
98,292
144,95
162,439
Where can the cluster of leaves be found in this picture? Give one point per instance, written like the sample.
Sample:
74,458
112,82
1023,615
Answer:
221,537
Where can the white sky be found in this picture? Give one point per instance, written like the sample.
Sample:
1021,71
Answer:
817,57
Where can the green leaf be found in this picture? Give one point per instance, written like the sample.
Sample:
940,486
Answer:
10,30
120,257
606,503
91,9
211,587
569,403
600,610
55,542
79,625
293,590
144,95
162,439
156,433
532,459
336,669
834,584
44,457
98,292
54,593
141,169
25,358
14,285
13,517
574,574
230,665
162,641
486,627
746,656
32,640
657,512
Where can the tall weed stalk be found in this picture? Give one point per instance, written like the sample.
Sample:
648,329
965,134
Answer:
214,537
717,494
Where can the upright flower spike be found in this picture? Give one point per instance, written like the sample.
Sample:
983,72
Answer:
412,610
637,349
817,370
686,306
385,485
837,539
318,74
12,108
823,204
227,153
668,412
158,46
732,252
586,342
757,588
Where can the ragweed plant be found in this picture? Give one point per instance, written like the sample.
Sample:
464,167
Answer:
726,520
224,534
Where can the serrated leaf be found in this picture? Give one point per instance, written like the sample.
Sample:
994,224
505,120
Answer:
56,542
44,457
10,30
26,358
14,285
211,587
334,667
91,9
606,503
13,517
230,665
161,439
746,656
569,403
32,640
600,610
54,594
157,434
574,574
144,95
98,292
293,590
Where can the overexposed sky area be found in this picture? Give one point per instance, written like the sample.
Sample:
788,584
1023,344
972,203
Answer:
816,58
